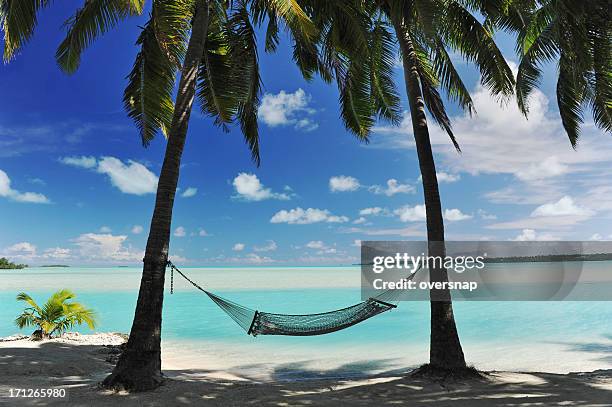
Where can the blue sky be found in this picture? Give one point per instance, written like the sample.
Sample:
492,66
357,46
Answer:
77,187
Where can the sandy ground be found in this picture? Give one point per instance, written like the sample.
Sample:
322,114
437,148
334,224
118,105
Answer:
78,362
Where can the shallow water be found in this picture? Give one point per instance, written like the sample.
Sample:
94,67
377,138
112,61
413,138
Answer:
545,336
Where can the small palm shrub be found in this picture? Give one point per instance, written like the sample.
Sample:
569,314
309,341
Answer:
55,316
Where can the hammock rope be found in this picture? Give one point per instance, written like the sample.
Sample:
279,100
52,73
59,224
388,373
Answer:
255,322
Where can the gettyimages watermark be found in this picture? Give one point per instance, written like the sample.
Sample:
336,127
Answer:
486,271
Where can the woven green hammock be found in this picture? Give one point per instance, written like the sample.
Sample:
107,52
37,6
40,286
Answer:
264,323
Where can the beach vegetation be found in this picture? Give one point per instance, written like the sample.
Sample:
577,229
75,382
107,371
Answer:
6,264
57,315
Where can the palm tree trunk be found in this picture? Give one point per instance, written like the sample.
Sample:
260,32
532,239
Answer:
139,367
445,350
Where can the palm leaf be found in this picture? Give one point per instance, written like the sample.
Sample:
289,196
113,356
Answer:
19,18
245,63
464,33
570,95
96,17
382,63
431,96
148,95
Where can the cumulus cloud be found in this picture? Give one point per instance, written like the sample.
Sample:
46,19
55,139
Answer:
455,215
563,207
360,220
393,187
130,177
105,229
268,247
301,216
540,159
137,229
106,247
411,213
6,191
250,188
58,253
238,247
202,233
418,213
560,214
343,183
180,232
26,251
22,248
527,235
444,177
189,192
283,109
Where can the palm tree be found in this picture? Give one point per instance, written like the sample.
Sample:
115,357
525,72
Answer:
356,47
212,44
578,35
56,316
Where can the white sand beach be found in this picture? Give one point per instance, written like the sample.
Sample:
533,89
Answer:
79,362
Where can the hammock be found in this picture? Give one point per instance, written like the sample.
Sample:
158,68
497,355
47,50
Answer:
264,323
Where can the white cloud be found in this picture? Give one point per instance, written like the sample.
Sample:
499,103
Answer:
393,187
268,247
444,177
82,161
22,249
535,152
343,183
180,232
411,213
249,188
131,178
105,229
7,191
531,235
549,168
447,177
315,244
360,220
285,109
356,243
563,207
58,253
371,211
454,215
238,247
189,192
321,247
202,233
137,229
106,247
596,237
306,216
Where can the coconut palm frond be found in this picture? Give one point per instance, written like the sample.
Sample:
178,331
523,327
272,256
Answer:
18,18
93,19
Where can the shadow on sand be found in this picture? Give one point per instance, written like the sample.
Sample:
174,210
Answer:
79,368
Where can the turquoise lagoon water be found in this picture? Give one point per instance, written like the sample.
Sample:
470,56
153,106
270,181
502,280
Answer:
544,336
